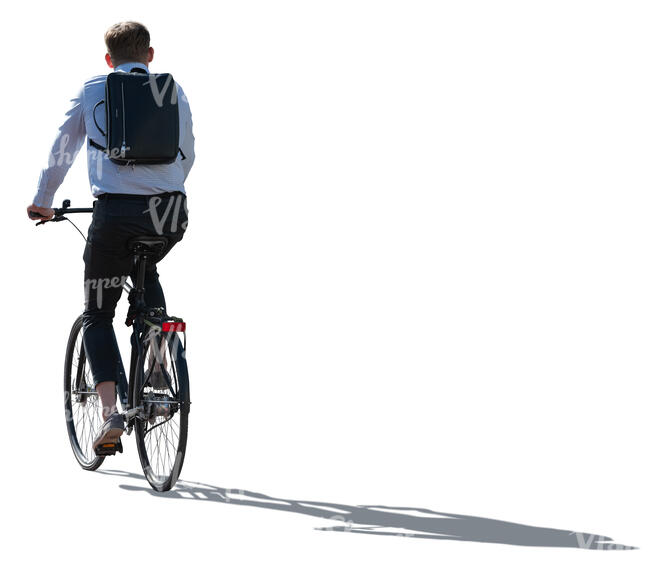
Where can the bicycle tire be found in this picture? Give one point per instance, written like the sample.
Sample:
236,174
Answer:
162,478
81,401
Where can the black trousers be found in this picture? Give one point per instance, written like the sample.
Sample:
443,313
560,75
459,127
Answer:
108,264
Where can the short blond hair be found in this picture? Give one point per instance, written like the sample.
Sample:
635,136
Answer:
127,41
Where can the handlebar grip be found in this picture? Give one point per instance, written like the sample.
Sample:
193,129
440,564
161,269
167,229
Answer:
35,215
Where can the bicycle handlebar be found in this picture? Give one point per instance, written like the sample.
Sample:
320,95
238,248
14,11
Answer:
60,212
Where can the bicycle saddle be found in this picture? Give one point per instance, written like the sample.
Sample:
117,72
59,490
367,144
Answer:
147,244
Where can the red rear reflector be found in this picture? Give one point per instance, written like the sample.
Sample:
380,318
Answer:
173,326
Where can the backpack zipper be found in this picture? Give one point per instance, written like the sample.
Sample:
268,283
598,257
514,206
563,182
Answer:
124,146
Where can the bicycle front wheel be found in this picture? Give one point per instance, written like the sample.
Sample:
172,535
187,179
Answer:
83,409
161,392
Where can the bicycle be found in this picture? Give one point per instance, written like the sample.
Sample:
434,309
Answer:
155,401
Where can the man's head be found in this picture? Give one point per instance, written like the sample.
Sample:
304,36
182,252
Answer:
126,42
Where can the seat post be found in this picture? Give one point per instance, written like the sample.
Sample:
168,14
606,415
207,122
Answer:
141,261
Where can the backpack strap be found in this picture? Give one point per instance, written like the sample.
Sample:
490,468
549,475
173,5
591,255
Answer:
98,146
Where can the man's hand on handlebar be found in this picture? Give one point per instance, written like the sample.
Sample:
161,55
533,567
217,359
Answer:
45,214
36,213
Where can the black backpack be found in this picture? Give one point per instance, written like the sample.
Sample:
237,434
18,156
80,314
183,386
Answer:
141,118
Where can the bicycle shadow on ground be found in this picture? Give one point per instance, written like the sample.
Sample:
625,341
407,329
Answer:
384,520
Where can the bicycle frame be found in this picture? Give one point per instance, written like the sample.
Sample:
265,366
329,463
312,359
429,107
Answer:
136,317
137,310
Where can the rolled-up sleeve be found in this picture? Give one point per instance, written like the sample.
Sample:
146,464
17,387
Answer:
67,144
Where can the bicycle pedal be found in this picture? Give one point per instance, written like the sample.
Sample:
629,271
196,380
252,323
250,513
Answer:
109,449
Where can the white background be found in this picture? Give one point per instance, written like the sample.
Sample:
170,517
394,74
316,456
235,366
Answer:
415,275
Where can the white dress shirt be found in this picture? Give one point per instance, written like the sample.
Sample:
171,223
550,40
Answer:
106,176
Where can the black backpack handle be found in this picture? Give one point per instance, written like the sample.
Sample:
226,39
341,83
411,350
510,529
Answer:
94,109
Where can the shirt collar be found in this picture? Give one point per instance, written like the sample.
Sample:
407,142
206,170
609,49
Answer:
130,65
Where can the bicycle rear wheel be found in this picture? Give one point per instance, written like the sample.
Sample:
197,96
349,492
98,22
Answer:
161,391
83,408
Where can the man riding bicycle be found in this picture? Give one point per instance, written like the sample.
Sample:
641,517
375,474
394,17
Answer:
132,199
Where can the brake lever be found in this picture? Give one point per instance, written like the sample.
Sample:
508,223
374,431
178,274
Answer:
55,218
